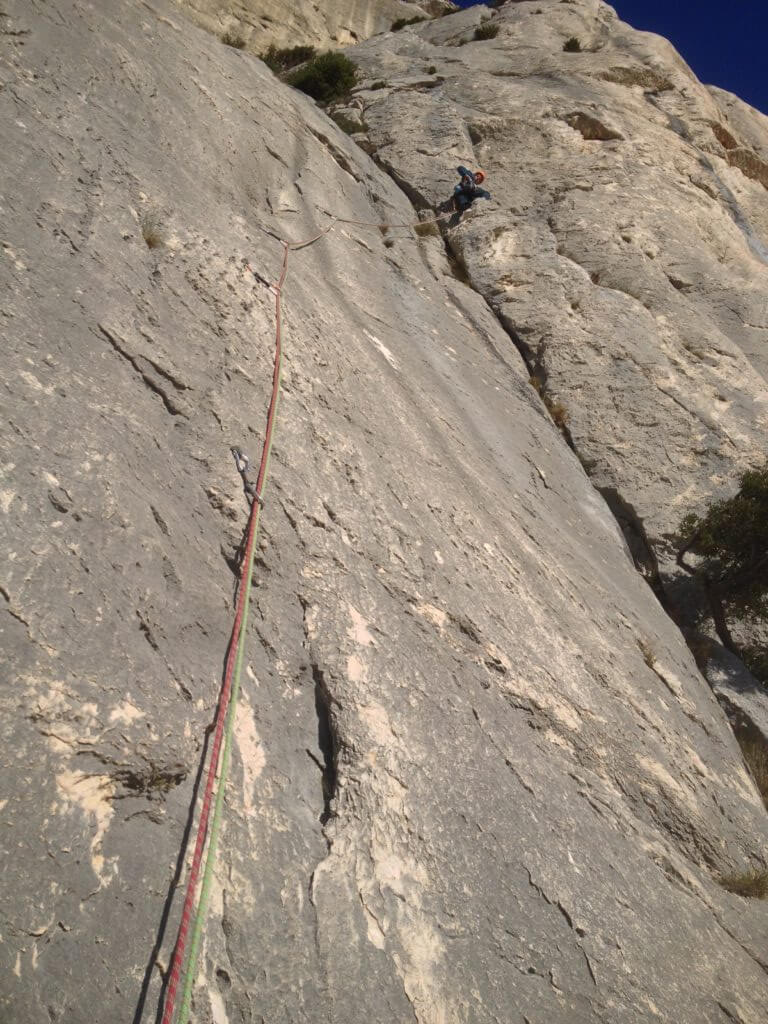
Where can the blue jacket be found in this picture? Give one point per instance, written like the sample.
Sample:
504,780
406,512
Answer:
471,190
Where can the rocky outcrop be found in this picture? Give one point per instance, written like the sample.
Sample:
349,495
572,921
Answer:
477,774
624,250
257,23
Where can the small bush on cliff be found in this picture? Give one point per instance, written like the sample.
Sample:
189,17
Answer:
558,412
281,60
486,31
731,539
233,39
556,409
756,660
572,45
402,22
325,78
152,229
750,884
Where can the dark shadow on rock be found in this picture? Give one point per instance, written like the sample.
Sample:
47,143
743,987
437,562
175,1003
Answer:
685,600
633,529
743,697
326,742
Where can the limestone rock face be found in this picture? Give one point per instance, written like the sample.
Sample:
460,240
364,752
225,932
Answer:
327,23
477,775
624,249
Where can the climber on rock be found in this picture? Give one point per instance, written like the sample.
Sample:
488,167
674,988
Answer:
468,190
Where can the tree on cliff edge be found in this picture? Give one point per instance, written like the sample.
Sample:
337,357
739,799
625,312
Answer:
731,539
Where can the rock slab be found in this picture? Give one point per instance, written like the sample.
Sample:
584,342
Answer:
477,775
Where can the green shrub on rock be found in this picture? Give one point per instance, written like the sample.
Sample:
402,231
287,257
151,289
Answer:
326,77
731,540
402,22
752,884
281,60
486,31
233,39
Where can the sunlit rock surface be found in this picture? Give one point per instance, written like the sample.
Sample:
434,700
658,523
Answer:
477,775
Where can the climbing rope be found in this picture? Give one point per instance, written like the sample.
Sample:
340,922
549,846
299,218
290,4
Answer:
227,705
191,926
371,224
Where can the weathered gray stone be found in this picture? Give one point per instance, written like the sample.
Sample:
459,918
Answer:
625,246
477,775
325,23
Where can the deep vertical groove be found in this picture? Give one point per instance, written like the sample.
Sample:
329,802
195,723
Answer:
326,741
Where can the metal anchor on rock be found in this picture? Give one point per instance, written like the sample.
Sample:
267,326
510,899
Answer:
242,463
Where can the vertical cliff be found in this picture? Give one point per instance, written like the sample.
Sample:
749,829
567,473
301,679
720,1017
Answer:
477,774
624,249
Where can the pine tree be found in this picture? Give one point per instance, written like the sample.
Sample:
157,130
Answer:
731,539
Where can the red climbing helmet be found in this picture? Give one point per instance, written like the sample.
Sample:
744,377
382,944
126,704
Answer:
479,177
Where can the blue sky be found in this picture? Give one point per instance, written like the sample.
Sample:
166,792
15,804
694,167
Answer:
725,44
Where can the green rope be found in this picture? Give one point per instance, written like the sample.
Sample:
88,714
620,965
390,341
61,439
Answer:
210,857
